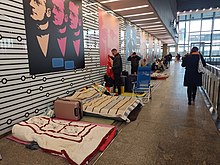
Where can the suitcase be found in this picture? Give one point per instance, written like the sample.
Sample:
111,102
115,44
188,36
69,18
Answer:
68,109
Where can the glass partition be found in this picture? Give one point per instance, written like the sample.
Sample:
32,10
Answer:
202,30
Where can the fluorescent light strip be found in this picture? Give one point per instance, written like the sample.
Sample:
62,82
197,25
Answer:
151,26
135,15
163,37
147,19
158,32
109,1
131,8
152,23
155,28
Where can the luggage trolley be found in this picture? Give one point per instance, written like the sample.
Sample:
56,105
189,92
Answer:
142,85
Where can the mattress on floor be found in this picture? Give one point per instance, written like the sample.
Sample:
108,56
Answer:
159,76
96,104
116,107
76,141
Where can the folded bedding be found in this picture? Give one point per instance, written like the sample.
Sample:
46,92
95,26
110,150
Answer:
77,141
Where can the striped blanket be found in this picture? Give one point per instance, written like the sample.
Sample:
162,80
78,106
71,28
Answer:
76,141
112,106
117,107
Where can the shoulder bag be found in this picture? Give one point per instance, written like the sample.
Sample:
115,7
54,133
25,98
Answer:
201,68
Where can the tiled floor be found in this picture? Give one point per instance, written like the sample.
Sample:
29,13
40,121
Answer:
167,130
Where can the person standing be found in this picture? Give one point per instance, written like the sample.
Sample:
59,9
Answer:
192,77
134,58
117,69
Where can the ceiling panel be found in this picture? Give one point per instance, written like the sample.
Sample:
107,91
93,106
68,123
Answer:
186,5
124,4
147,22
144,17
136,11
141,20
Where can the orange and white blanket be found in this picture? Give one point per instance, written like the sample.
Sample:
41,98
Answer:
76,141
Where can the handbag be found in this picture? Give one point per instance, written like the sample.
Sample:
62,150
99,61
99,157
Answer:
201,68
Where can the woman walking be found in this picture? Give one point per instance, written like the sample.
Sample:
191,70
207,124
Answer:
192,77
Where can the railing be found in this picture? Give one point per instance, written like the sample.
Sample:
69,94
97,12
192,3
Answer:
211,84
213,61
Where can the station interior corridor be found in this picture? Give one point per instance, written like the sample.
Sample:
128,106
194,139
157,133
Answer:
167,131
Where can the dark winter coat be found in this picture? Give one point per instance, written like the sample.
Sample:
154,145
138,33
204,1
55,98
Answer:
117,64
192,77
134,62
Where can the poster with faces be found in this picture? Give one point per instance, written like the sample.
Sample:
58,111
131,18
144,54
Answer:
54,31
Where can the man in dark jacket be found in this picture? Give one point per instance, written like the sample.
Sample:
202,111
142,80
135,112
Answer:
117,69
192,77
134,58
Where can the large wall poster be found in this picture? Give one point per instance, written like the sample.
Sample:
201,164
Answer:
54,33
151,53
131,41
108,35
143,44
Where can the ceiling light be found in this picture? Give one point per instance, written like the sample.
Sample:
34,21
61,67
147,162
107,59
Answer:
152,26
178,12
197,10
164,36
134,15
203,9
217,8
210,8
150,29
109,1
138,20
190,11
150,23
158,31
164,33
131,8
184,11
